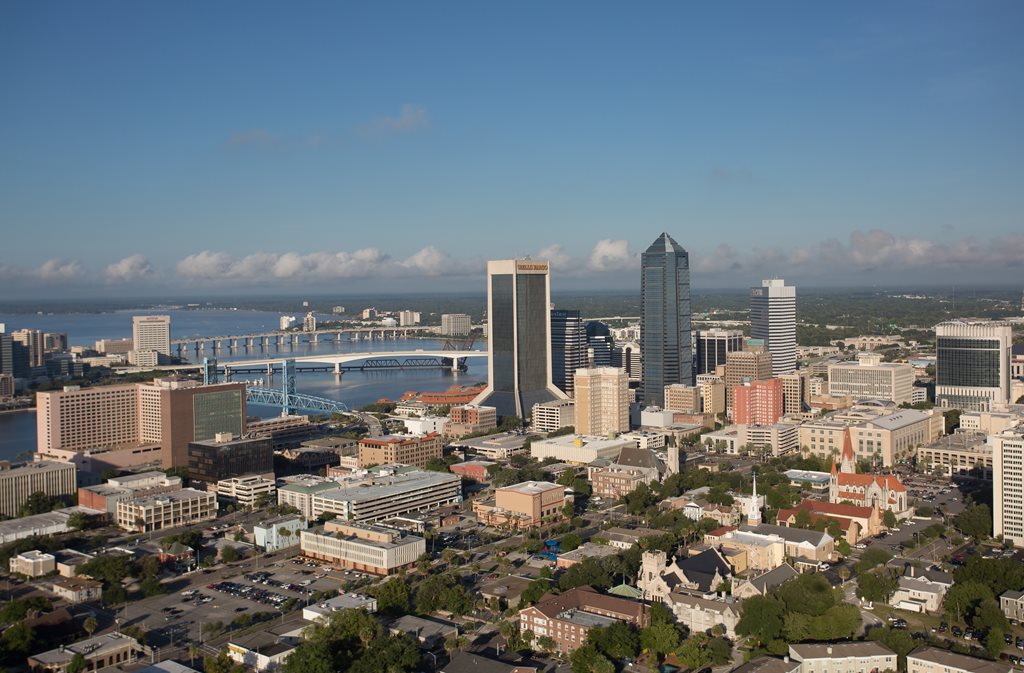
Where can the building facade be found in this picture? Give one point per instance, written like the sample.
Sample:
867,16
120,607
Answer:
520,506
247,491
551,416
602,401
568,348
870,378
714,346
380,497
368,549
169,510
773,320
225,457
55,479
745,365
567,618
972,366
758,402
455,324
1008,485
400,450
665,315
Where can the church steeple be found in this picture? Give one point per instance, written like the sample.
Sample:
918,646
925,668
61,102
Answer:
754,511
847,461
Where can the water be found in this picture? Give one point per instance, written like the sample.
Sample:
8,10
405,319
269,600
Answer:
357,388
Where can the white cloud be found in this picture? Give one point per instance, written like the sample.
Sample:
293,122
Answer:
131,268
57,270
410,118
556,256
609,255
429,261
210,265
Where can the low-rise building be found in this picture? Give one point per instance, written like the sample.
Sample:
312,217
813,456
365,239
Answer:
758,552
69,560
278,533
854,521
298,492
104,497
76,589
880,432
963,453
473,469
1012,603
508,589
554,415
168,510
265,657
470,419
934,660
583,552
852,657
99,652
362,547
809,479
247,491
471,662
17,484
499,446
579,449
765,583
48,523
520,506
917,594
567,618
700,614
766,664
625,538
615,481
811,545
33,563
400,450
390,493
429,633
323,610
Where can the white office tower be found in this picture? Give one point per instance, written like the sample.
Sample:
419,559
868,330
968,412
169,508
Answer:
152,333
972,365
1008,485
773,319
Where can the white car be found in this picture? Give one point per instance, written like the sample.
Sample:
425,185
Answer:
860,545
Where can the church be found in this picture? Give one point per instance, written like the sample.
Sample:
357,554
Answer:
864,490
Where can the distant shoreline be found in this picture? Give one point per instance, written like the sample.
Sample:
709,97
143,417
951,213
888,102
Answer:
16,411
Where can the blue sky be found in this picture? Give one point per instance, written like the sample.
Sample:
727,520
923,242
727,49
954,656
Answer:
148,147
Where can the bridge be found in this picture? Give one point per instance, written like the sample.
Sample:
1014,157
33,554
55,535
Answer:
279,338
341,362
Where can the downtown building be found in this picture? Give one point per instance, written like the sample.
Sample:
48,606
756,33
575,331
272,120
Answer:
713,346
1008,485
417,450
151,340
665,339
519,337
365,548
382,496
225,457
972,366
456,324
55,479
746,365
568,348
870,378
168,510
602,401
124,426
773,320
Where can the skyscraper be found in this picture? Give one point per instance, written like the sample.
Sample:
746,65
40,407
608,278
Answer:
972,365
519,337
152,333
773,319
34,341
713,345
1008,485
599,344
665,341
602,401
568,348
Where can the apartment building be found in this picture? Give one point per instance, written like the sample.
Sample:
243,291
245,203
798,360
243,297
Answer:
455,324
852,657
683,398
602,401
615,481
400,450
1008,485
169,510
567,618
758,402
934,660
553,415
469,419
369,549
55,479
746,365
531,503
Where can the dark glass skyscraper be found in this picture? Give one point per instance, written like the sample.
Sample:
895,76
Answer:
568,348
665,341
519,337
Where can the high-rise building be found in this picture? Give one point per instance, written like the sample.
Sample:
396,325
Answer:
758,402
152,333
627,357
773,319
6,354
135,424
455,324
683,398
713,345
1008,485
795,391
6,387
599,344
870,378
752,365
57,480
568,348
408,318
309,322
972,366
519,337
602,401
34,341
665,340
224,457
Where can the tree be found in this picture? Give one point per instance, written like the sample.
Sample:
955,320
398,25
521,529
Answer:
393,597
78,520
761,619
989,617
76,664
694,652
437,465
229,554
222,663
114,595
872,557
876,585
889,519
534,592
659,638
963,598
897,640
616,642
547,643
151,586
587,659
90,624
570,541
802,519
17,641
975,521
37,503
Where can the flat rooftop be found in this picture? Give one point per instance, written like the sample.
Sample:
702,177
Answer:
375,488
532,487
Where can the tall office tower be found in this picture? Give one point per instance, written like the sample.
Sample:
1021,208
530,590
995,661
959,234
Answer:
758,402
751,365
455,324
602,401
972,366
712,347
599,344
6,354
627,357
1008,485
152,333
519,337
795,391
568,348
773,319
34,341
665,340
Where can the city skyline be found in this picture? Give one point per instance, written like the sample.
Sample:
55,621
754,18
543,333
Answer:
345,148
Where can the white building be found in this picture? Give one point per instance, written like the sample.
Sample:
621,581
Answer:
1008,485
408,318
168,510
278,533
773,319
287,322
870,378
33,563
323,610
551,416
972,366
849,657
152,333
579,449
455,324
378,497
246,490
935,660
369,549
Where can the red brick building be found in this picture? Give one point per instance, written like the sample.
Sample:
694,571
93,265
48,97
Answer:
568,618
758,402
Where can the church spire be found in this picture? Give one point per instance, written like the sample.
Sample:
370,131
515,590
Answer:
754,511
847,461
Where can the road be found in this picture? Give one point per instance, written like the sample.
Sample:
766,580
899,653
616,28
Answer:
373,426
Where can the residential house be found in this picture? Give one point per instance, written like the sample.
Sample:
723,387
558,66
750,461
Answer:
763,583
935,660
848,657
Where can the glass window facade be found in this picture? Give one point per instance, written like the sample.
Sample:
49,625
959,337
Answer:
665,341
217,412
968,362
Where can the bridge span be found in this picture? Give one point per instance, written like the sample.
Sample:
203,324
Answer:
338,361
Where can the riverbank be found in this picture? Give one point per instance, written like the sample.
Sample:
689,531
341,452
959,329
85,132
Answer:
16,410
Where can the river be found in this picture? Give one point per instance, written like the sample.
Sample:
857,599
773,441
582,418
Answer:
357,388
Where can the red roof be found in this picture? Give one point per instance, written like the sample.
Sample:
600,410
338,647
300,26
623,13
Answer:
830,509
886,481
719,532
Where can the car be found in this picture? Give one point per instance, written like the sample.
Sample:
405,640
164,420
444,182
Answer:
1008,639
241,609
1019,643
860,545
895,530
956,631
